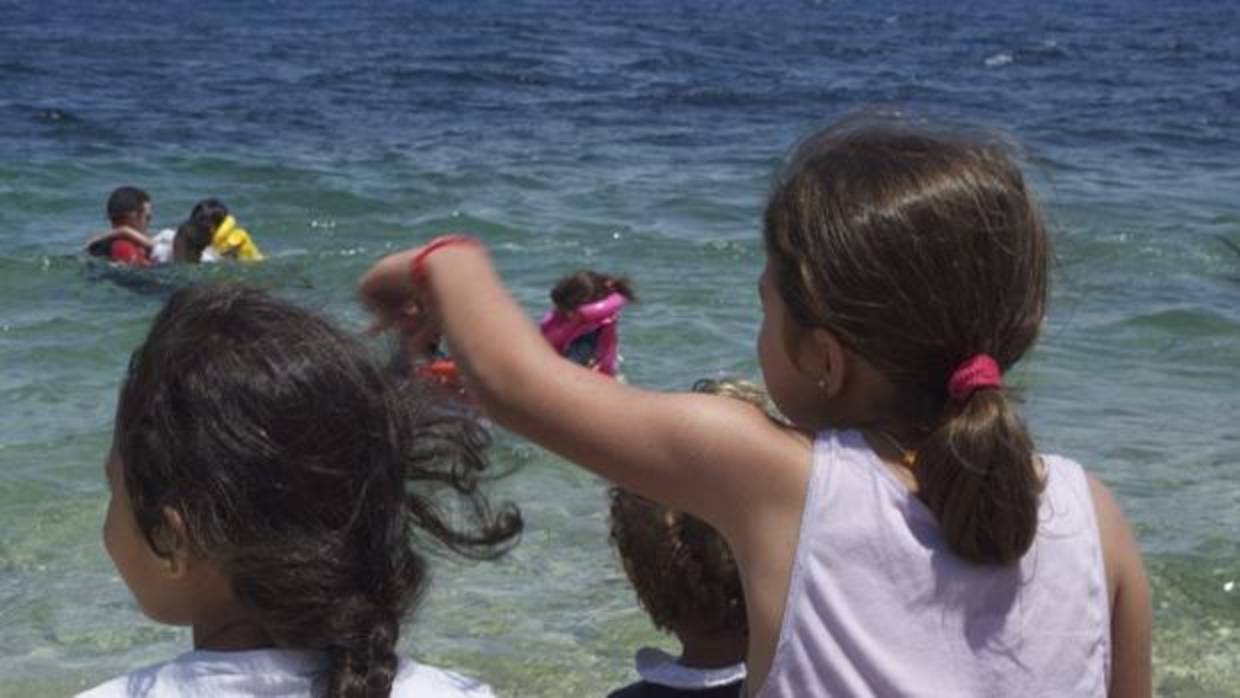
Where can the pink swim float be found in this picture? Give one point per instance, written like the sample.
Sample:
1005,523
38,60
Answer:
563,329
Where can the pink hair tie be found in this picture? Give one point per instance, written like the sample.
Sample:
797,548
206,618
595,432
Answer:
977,373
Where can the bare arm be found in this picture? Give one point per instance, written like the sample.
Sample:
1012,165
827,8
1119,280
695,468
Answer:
697,453
1130,599
121,232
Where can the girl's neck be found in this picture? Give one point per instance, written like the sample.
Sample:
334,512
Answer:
231,636
711,650
891,449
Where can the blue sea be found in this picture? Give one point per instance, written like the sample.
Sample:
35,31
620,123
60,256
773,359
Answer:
638,138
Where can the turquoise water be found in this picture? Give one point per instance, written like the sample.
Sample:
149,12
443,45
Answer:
639,140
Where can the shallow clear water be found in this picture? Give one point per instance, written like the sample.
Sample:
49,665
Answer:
635,138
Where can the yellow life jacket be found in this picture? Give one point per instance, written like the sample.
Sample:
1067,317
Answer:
229,240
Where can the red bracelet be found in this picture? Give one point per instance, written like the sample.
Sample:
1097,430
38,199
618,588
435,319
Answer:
417,269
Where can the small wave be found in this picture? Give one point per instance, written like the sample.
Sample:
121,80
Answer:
54,116
998,60
1229,244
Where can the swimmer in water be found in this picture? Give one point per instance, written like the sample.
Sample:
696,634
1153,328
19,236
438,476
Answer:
228,240
129,211
583,324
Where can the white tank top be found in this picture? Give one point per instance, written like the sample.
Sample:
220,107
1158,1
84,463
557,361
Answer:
878,606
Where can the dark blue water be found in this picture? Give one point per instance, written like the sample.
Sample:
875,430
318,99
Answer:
636,137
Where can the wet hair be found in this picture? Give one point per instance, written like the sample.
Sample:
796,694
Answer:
125,201
919,250
681,569
585,286
192,237
313,478
209,212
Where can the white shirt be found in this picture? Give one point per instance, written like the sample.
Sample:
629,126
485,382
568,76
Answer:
161,253
658,667
270,672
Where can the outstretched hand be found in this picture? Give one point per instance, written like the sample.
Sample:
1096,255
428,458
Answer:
388,292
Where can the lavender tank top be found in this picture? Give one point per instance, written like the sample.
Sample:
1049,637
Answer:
878,606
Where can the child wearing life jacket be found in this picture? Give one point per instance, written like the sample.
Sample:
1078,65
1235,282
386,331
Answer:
909,539
686,580
127,242
273,488
583,324
228,240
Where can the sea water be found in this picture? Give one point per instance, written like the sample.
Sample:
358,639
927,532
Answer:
636,138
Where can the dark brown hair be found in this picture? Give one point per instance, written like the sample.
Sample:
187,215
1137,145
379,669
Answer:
681,569
192,237
210,212
919,251
586,286
313,477
124,201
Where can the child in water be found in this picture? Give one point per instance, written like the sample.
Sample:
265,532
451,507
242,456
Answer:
686,580
909,539
583,324
228,240
274,489
582,327
127,242
192,243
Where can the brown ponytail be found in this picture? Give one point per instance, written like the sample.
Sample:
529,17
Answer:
918,251
976,473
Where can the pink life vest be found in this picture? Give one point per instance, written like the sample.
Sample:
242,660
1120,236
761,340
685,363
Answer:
561,329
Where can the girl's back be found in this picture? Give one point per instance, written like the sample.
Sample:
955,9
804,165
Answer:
879,605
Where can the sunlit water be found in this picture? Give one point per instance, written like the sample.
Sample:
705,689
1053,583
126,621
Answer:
631,138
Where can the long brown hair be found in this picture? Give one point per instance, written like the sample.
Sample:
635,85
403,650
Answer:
919,251
317,480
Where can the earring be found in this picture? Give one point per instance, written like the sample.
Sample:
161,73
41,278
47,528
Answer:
822,382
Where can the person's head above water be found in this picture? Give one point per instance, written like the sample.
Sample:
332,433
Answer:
192,238
587,286
210,211
228,240
911,256
129,207
272,485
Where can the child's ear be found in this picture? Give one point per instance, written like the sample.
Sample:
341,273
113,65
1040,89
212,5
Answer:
828,362
176,552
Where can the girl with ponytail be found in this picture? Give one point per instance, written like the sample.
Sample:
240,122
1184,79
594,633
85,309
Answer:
275,489
909,540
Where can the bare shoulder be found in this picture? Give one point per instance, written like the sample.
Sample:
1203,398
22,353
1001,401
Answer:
1119,547
1131,614
752,459
715,457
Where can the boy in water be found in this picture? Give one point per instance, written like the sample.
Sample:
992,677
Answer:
686,580
129,212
